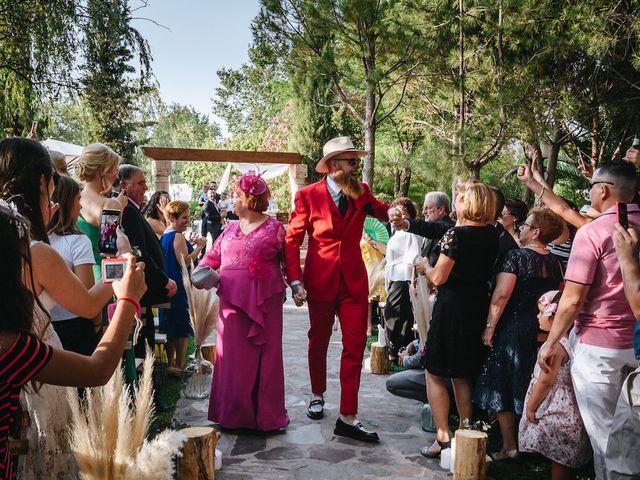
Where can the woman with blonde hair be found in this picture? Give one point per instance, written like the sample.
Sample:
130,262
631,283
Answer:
175,321
97,167
454,346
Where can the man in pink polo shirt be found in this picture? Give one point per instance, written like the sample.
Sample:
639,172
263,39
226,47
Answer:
602,339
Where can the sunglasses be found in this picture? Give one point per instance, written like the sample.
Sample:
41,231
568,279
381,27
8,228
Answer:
352,161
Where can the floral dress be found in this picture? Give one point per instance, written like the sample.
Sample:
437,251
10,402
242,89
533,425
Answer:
247,389
559,434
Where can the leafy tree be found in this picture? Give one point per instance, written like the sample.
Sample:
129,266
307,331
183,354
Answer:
365,48
109,89
37,52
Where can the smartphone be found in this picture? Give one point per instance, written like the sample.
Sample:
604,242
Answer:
621,211
636,143
113,269
109,223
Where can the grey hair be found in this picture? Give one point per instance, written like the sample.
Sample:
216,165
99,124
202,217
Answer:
439,199
126,171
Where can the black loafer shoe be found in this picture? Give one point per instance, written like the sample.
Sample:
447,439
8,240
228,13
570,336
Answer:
315,414
357,432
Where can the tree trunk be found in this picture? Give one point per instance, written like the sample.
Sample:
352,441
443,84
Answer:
552,161
397,174
405,181
462,112
470,457
198,454
380,364
474,170
369,137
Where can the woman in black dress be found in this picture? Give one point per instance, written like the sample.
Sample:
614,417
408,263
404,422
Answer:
512,324
454,344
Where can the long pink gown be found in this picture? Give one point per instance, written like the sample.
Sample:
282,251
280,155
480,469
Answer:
247,390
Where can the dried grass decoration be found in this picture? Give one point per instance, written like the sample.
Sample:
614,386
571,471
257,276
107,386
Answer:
109,430
203,312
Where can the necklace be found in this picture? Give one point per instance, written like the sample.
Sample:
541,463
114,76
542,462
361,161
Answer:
534,245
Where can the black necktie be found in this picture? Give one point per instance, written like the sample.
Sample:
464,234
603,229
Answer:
343,204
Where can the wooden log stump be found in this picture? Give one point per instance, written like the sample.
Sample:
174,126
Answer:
209,353
380,364
198,454
471,455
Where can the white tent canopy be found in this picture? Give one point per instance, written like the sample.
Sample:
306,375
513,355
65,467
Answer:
68,149
268,171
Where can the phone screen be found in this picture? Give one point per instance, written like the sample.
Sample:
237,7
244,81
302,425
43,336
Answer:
109,222
621,209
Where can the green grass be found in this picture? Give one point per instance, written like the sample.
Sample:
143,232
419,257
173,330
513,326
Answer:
168,390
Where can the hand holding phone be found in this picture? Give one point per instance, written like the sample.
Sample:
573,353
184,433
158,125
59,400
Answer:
621,212
107,236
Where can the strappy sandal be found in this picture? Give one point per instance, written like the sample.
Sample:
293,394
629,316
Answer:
427,452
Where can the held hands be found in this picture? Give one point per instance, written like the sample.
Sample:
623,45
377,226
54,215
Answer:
299,295
626,243
132,283
396,218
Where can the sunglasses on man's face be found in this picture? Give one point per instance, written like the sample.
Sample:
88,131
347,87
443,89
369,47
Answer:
351,161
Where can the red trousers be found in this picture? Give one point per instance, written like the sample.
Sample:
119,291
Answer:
352,314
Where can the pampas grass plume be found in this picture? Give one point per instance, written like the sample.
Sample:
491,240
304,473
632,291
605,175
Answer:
108,432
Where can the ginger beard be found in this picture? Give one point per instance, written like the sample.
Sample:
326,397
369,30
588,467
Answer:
348,183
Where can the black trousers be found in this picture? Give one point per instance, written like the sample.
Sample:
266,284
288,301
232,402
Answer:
398,315
77,335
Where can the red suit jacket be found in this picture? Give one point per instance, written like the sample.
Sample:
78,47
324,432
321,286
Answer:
334,242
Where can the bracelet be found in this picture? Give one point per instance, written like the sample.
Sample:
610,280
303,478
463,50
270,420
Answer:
134,302
490,326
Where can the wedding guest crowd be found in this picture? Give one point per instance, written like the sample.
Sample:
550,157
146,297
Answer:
495,272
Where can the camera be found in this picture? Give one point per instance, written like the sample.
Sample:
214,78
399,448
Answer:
113,269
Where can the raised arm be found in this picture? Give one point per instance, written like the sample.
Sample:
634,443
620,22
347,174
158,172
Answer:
555,203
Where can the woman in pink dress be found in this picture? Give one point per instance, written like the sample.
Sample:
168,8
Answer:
247,390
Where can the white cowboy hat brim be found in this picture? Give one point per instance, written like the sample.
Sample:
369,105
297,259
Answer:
322,166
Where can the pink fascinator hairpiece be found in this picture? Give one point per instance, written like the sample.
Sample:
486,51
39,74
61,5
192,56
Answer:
252,184
550,303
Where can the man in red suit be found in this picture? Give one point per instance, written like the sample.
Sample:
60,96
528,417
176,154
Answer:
332,212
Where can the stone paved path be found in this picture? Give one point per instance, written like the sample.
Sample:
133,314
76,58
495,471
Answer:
309,450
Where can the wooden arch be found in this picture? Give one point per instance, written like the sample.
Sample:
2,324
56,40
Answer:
162,157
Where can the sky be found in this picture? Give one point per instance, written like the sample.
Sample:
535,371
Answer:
196,38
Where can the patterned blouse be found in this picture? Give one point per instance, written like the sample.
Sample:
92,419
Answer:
18,364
